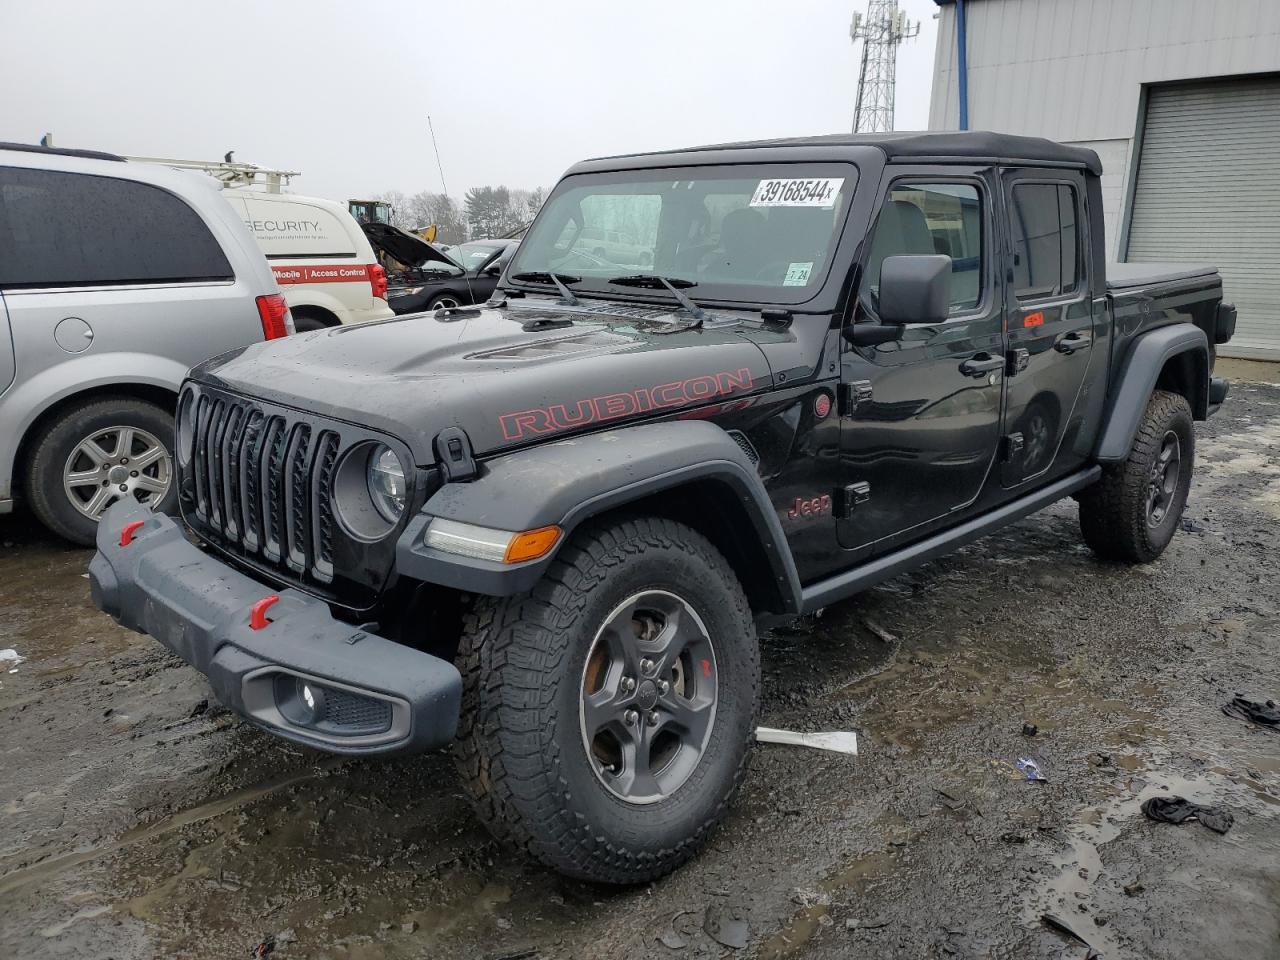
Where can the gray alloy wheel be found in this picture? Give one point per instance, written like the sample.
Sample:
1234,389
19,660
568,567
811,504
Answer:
649,695
445,302
1163,483
117,462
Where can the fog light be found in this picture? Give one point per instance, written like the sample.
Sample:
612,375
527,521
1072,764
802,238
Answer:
311,699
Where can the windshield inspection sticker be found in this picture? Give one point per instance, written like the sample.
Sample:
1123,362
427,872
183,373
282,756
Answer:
821,192
798,274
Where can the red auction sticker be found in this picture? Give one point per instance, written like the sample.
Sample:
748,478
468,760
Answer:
327,273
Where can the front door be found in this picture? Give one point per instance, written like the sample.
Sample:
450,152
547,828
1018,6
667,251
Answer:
1050,311
922,413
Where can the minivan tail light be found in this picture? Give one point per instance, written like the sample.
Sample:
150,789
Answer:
377,280
274,313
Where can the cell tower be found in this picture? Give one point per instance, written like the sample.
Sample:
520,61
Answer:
881,30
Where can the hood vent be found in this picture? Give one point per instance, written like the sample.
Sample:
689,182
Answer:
556,349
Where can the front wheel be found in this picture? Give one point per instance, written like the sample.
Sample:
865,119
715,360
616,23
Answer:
1132,513
606,714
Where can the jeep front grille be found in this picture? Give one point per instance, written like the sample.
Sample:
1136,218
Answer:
259,483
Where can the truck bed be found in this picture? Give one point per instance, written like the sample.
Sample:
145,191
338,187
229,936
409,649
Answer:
1128,276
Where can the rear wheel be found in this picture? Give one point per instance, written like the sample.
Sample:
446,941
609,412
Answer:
95,454
1132,513
606,714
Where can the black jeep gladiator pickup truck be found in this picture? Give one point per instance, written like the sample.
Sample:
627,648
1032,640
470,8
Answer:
545,530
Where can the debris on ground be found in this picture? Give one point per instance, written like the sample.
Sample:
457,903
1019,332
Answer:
880,631
1265,714
837,741
1180,810
264,947
1030,729
1064,928
1031,769
1133,889
671,937
725,928
10,659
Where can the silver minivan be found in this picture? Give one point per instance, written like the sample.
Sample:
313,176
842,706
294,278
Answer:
115,279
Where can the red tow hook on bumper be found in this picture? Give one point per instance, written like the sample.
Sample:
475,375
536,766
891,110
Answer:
126,532
258,612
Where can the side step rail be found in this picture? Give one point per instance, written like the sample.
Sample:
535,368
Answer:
845,584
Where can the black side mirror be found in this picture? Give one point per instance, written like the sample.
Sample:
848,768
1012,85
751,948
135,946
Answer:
915,289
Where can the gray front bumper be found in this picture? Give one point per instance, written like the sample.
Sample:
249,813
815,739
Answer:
376,696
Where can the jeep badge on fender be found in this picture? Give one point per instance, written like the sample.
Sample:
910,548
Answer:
545,531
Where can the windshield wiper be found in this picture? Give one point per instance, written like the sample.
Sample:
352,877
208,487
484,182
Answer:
674,284
559,279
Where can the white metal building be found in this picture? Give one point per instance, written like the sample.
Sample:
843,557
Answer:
1181,100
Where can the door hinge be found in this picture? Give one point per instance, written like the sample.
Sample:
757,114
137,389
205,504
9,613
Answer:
1019,360
453,453
853,394
847,498
1013,444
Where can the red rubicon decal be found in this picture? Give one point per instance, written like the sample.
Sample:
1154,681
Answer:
612,406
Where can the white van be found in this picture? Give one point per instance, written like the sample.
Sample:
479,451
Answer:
321,258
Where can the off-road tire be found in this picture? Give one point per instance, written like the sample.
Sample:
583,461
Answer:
520,748
49,452
1113,512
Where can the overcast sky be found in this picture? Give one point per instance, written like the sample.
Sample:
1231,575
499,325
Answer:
517,91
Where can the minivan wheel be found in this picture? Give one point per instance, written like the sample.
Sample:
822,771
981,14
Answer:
95,454
606,714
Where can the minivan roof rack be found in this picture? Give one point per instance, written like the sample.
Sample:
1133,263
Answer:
233,173
59,151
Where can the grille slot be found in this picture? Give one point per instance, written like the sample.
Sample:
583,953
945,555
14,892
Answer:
261,482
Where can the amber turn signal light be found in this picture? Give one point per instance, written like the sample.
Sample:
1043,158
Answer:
531,544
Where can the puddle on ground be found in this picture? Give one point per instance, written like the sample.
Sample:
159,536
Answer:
1072,893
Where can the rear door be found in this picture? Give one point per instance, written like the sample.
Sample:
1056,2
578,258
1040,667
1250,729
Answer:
99,265
6,348
922,413
1050,311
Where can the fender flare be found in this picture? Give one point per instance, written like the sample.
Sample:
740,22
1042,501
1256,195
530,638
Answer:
570,481
1137,380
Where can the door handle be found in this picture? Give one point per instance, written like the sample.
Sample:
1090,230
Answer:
981,365
1071,342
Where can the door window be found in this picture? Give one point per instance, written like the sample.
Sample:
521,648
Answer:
1045,240
69,229
932,218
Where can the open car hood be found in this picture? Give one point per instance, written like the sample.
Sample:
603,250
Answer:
404,246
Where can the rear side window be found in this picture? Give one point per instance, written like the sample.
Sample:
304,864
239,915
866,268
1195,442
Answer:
1045,240
70,229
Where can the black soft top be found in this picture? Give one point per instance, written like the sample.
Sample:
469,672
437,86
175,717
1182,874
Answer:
972,144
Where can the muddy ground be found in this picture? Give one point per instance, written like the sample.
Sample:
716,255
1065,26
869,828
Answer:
139,820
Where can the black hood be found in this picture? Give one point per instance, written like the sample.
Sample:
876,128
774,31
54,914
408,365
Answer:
404,246
509,376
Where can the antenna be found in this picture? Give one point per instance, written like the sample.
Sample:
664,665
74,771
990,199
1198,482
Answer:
881,31
434,146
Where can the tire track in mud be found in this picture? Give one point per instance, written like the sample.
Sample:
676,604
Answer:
50,867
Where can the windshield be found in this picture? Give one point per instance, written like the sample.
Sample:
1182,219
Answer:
471,255
758,233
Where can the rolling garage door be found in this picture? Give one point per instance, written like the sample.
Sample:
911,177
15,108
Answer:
1208,191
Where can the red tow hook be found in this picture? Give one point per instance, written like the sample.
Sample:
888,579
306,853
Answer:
126,532
258,612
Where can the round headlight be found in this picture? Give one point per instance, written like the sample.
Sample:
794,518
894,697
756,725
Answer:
387,487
